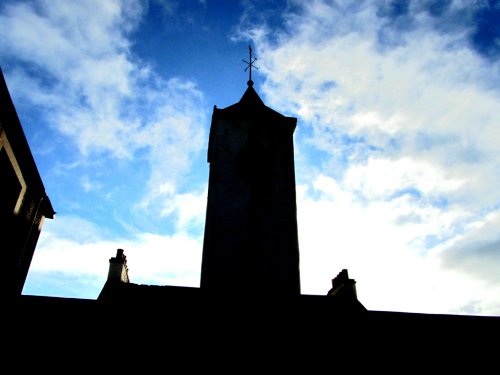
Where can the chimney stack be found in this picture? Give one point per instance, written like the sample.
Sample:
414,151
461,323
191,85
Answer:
343,286
118,270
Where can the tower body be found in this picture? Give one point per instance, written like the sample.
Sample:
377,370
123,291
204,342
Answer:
251,241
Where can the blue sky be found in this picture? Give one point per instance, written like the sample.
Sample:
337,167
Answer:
397,147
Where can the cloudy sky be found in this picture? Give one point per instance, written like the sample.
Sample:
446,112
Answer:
397,148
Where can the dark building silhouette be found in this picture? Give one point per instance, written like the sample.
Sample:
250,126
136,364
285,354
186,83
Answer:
251,241
250,249
251,244
249,310
24,203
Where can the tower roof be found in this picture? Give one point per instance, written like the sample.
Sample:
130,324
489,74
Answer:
251,106
251,98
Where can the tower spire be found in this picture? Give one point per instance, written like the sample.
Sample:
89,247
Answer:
250,66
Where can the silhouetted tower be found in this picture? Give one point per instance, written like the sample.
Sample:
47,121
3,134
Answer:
251,242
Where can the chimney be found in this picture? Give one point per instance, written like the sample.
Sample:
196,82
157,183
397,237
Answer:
343,286
118,270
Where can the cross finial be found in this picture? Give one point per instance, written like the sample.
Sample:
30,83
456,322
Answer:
250,66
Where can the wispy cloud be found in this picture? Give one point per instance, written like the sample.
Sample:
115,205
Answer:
74,63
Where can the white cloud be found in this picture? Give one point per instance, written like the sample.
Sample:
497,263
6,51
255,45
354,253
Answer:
91,89
72,229
383,253
408,118
406,115
188,208
191,208
73,62
477,251
380,178
152,259
82,46
175,131
89,185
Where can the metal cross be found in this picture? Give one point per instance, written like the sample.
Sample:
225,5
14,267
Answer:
250,66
